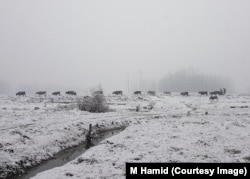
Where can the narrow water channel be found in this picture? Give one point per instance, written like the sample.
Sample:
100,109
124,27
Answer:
67,155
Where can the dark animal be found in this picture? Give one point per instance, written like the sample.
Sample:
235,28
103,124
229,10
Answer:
56,93
137,92
73,93
86,97
184,93
98,92
117,92
151,93
224,90
213,97
203,92
216,93
167,93
21,93
39,93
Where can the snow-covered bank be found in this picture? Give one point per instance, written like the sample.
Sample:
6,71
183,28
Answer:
177,129
30,136
158,140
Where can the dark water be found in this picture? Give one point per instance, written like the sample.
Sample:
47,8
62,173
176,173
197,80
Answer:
67,155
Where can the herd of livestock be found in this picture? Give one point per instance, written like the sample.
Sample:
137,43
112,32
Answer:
43,93
213,94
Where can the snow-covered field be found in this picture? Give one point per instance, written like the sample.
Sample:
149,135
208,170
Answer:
177,129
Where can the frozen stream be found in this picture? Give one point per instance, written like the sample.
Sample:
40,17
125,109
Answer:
67,155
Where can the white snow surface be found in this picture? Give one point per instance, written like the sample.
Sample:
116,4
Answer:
177,129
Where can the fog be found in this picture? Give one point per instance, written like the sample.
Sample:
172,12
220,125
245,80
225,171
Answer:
66,44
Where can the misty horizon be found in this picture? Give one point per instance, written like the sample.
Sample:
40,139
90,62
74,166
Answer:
185,80
122,45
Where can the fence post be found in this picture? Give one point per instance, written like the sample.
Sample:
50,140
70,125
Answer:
89,138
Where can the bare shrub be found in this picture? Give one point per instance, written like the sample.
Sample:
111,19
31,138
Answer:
95,104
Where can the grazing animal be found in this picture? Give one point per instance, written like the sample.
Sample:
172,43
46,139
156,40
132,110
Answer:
203,92
224,90
151,93
216,93
21,93
56,93
137,92
117,92
39,93
184,93
213,97
98,92
86,97
167,93
73,93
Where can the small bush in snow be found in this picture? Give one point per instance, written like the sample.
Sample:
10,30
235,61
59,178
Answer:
95,104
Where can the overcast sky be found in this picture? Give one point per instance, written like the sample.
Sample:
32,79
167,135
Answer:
88,42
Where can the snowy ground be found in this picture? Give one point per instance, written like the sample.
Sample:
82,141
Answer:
177,129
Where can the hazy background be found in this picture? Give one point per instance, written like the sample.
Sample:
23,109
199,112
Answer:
124,45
